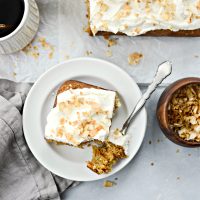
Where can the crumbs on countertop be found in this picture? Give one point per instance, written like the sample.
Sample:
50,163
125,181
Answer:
109,183
177,150
88,53
33,50
109,53
110,41
51,53
43,42
47,46
150,142
152,163
14,74
134,58
66,57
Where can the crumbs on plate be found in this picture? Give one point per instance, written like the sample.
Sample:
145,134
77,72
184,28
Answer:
134,58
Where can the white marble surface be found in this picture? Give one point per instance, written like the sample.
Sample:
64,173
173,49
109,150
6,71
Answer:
161,170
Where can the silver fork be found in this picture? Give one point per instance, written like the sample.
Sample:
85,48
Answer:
164,70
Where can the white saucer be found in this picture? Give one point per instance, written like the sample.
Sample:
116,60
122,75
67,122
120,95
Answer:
70,162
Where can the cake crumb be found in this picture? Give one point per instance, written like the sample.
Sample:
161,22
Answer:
43,42
109,53
177,150
109,183
35,47
134,58
50,55
110,41
35,55
52,50
47,46
66,57
27,48
31,50
152,164
189,154
178,178
88,53
158,140
150,142
14,74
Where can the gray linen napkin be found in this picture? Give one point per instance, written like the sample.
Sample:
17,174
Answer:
22,177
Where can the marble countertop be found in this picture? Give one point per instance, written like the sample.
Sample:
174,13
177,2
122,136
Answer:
161,170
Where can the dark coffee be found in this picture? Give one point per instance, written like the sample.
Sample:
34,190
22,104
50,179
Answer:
11,14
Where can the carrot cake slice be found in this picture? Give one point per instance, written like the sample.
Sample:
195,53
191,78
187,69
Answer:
83,113
134,17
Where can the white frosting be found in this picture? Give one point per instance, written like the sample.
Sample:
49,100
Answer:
81,115
121,140
134,17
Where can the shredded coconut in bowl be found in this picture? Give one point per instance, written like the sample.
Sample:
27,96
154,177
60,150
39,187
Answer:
184,112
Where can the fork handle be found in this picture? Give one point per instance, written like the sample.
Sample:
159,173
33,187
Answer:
164,70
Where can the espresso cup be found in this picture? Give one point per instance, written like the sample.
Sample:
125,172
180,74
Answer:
22,34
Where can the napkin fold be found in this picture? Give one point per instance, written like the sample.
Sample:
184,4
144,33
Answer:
22,177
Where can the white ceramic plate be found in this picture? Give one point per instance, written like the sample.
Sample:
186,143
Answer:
70,162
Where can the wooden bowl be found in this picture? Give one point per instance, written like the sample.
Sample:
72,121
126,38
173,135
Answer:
162,111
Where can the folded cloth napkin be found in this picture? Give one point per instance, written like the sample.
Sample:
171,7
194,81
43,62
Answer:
22,177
